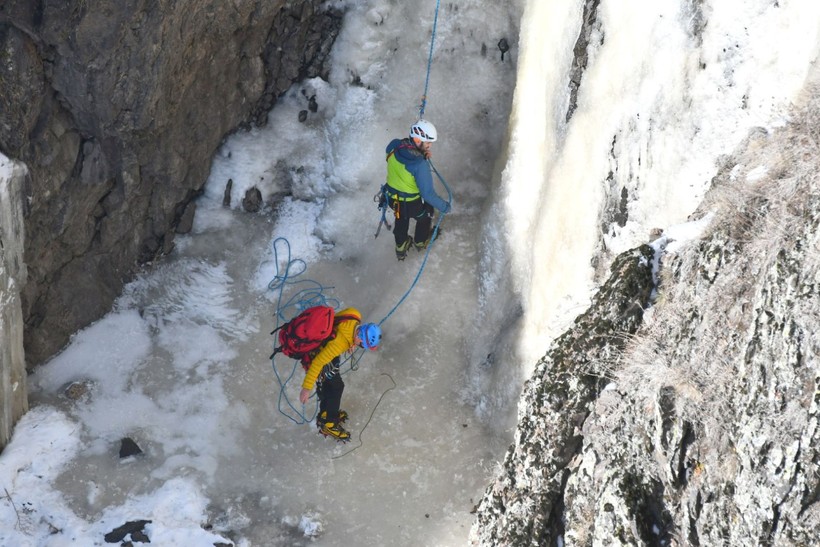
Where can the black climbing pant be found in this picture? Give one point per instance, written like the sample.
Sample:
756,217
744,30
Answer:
421,212
329,390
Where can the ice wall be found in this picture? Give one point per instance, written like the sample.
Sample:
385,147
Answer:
532,226
14,400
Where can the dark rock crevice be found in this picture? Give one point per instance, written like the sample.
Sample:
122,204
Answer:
589,23
286,48
645,499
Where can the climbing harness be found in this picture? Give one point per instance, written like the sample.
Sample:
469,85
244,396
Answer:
382,198
391,198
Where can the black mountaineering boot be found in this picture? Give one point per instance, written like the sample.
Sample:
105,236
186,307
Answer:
401,250
422,245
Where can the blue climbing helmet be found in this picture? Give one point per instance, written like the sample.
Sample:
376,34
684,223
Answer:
371,335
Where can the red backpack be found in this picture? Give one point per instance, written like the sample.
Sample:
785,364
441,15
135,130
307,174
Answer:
302,337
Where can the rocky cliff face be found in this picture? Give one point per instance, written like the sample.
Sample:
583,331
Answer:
116,109
697,423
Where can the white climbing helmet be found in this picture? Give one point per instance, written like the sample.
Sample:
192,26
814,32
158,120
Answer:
424,131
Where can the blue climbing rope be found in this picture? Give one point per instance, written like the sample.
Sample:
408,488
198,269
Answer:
312,295
443,182
429,63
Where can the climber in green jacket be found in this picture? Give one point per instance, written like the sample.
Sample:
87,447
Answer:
409,187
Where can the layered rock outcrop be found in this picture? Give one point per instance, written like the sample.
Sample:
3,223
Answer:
117,109
13,387
699,424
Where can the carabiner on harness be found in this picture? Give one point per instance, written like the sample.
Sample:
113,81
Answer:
381,199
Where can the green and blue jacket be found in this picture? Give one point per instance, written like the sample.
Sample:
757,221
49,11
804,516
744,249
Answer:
408,175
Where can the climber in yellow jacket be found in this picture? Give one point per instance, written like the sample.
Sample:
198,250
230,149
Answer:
323,371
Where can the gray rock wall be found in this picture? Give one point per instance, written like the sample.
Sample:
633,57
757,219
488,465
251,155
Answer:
701,428
116,108
524,505
13,390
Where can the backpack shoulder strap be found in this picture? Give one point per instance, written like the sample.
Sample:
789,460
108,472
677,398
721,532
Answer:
340,318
